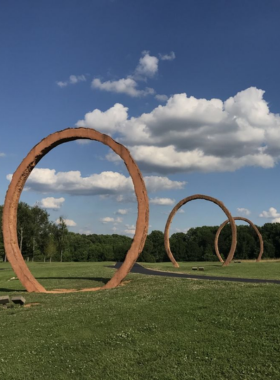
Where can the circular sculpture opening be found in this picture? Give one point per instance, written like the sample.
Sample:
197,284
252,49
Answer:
245,220
20,177
210,199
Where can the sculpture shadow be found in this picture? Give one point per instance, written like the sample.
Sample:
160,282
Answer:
5,290
97,279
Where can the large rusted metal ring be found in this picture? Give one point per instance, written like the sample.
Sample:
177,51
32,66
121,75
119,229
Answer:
21,175
207,198
245,220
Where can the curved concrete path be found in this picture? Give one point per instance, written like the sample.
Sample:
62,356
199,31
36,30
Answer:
137,268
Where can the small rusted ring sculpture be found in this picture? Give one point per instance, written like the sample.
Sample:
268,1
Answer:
20,177
210,199
245,220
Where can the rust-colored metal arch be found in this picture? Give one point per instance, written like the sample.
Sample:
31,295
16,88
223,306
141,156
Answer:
21,175
245,220
210,199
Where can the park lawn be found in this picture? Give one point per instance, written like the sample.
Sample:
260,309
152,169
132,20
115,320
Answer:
150,328
245,269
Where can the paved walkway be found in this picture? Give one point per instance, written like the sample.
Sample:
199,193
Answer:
137,268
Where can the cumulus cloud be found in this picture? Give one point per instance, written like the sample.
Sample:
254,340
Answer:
109,121
190,134
68,222
147,66
244,211
85,232
271,214
130,229
161,98
2,154
73,79
167,57
51,203
126,86
107,219
184,230
122,211
46,180
162,201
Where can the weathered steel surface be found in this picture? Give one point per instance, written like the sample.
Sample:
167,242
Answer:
20,177
210,199
245,220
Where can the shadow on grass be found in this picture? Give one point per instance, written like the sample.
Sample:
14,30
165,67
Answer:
97,279
5,290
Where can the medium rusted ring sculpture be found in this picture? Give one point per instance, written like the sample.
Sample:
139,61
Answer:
20,177
245,220
207,198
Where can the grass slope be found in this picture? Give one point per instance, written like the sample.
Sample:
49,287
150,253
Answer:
151,328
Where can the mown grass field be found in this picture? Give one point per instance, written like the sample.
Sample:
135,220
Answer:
245,269
150,328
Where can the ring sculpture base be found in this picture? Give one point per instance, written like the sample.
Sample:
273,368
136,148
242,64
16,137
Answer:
210,199
21,175
245,220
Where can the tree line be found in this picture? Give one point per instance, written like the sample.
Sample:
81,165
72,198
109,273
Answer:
42,240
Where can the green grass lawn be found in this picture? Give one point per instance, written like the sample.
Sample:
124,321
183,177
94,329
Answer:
151,328
262,270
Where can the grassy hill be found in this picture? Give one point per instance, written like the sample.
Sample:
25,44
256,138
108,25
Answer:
150,328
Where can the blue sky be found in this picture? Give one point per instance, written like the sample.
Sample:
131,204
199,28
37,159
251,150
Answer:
190,87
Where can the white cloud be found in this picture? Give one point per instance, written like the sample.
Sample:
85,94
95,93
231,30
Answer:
107,122
2,154
169,159
73,79
161,98
181,211
130,229
162,201
271,213
147,67
46,180
184,230
244,211
126,86
155,183
190,134
107,219
51,203
277,220
85,232
122,211
167,57
68,222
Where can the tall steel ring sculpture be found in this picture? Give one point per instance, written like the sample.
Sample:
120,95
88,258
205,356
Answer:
20,177
210,199
245,220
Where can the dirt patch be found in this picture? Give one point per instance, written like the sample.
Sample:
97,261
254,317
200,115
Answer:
31,304
57,291
123,283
